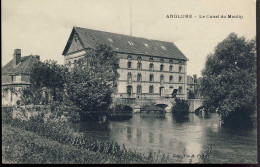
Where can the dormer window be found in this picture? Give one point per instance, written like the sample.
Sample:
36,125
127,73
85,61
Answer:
130,43
163,47
139,58
161,60
129,57
145,44
109,39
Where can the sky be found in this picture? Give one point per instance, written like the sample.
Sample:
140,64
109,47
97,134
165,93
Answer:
42,27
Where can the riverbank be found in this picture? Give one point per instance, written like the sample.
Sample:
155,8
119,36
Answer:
36,142
21,146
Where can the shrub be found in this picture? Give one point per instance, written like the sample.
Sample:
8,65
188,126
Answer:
181,107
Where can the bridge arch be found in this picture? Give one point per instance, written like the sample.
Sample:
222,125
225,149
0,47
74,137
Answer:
162,105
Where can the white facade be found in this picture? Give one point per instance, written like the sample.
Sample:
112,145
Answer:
163,83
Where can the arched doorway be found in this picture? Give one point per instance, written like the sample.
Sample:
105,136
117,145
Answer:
129,90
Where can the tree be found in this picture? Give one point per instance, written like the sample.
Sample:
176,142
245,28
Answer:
229,81
93,79
50,75
44,75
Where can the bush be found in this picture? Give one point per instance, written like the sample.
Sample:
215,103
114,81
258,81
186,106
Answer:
181,107
66,110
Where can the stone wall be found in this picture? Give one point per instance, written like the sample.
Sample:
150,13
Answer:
194,104
26,112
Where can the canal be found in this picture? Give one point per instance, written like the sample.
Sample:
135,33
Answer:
193,135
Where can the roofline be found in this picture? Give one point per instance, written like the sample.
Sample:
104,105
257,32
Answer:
74,30
125,35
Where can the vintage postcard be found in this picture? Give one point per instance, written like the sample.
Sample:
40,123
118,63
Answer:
129,81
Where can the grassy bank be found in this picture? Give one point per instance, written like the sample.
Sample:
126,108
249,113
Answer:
36,142
21,146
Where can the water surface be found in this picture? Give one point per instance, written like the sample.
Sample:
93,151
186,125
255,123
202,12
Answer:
191,136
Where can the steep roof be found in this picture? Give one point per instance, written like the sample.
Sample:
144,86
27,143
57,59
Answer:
23,67
125,44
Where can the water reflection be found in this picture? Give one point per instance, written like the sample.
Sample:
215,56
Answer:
191,135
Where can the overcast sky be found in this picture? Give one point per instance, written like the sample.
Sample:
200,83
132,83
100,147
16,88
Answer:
42,27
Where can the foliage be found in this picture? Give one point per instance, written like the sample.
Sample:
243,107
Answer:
32,95
20,146
191,95
48,75
93,80
229,81
181,107
65,109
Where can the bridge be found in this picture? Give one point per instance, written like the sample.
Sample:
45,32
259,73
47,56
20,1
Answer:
135,103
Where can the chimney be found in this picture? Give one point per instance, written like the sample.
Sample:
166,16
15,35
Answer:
17,56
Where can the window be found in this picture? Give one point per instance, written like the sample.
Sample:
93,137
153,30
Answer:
129,90
139,77
151,78
171,87
161,60
109,39
151,90
129,57
129,64
170,68
180,78
161,67
151,59
145,44
151,67
171,61
139,89
161,79
163,47
180,68
171,79
12,78
180,90
139,58
129,78
130,43
139,66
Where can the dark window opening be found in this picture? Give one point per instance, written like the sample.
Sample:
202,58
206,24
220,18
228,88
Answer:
139,78
161,67
129,64
151,67
151,90
151,78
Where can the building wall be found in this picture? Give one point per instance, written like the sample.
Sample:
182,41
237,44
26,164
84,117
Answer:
145,72
11,86
10,95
